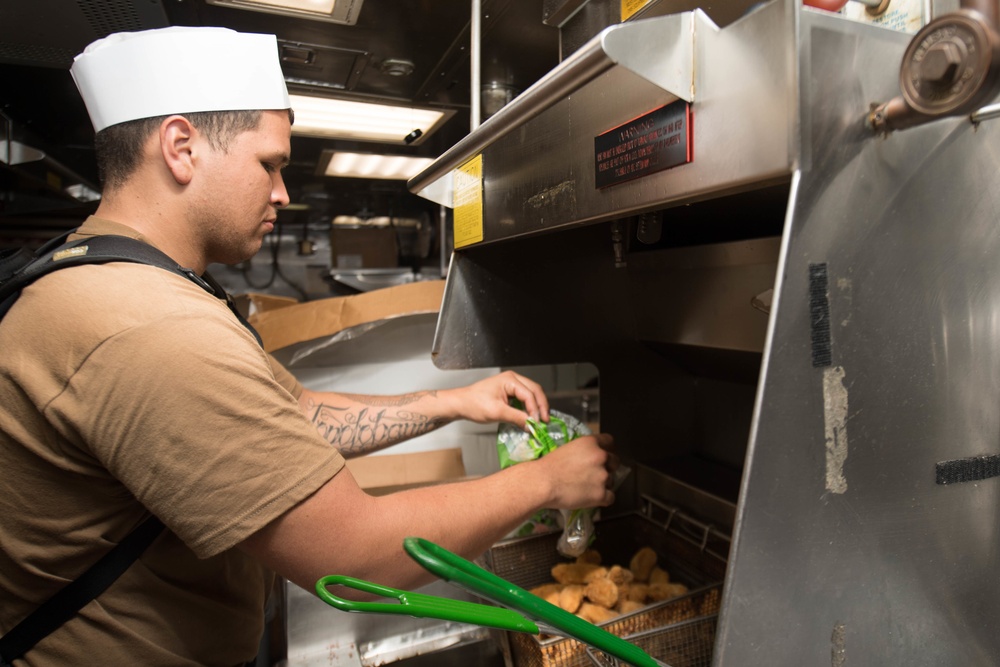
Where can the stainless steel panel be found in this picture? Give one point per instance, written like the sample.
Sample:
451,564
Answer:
704,295
560,298
745,82
865,560
590,17
659,50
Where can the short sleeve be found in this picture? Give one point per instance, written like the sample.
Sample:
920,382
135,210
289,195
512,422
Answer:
193,420
285,378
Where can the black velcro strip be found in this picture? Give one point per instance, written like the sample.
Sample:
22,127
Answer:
819,315
968,470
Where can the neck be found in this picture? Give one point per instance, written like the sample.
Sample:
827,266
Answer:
156,221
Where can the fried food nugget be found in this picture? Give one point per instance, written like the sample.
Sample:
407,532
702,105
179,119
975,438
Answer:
628,606
572,573
642,563
637,592
595,614
659,576
548,592
599,572
666,591
603,592
589,556
571,597
620,575
677,589
658,592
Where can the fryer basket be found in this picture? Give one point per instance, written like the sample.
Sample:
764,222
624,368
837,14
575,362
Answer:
527,562
685,644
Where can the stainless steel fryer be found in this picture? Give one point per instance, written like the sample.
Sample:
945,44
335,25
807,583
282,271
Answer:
797,315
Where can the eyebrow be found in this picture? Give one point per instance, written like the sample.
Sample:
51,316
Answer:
281,159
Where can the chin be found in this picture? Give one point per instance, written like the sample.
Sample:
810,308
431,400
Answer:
233,258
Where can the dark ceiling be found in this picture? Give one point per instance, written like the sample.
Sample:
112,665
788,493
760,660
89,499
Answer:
41,108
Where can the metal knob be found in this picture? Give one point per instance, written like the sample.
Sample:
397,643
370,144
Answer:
941,62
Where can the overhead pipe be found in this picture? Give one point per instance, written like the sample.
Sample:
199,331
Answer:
442,239
475,65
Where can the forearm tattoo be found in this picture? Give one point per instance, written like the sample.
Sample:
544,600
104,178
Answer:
377,423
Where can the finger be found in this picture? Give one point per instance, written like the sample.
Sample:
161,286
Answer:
526,396
612,467
539,394
606,441
514,416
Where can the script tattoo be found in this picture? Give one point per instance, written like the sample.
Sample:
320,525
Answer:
390,401
357,431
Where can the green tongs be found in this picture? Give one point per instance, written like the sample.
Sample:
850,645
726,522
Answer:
536,615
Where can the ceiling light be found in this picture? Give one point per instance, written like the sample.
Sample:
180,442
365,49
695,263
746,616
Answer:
332,11
361,121
365,165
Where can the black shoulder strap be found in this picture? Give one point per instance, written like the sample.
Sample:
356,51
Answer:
69,600
102,250
74,596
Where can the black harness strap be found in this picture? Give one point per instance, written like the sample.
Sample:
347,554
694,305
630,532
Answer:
74,596
105,249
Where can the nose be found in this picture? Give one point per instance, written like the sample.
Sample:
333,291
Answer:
279,193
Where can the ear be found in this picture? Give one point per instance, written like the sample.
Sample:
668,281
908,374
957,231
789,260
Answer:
177,136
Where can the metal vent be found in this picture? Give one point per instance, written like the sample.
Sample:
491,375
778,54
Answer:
48,56
49,33
108,16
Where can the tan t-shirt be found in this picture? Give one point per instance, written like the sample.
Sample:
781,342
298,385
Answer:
126,389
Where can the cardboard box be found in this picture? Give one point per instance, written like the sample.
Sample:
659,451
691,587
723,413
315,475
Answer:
364,247
252,304
293,324
388,473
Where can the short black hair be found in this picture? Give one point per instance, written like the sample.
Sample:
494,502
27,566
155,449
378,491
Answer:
119,147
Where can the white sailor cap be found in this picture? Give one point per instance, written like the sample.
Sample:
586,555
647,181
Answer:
132,75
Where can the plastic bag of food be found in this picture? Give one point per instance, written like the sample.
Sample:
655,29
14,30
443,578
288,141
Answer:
515,445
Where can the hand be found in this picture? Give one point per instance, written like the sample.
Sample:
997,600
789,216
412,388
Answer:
581,472
487,400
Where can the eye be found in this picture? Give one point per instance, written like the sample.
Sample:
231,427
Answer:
268,167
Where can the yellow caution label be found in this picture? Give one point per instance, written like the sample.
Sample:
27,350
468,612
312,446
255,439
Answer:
468,200
630,7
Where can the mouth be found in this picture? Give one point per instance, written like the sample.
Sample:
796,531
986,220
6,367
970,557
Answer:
269,225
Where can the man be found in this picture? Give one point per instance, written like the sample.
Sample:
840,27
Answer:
127,390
